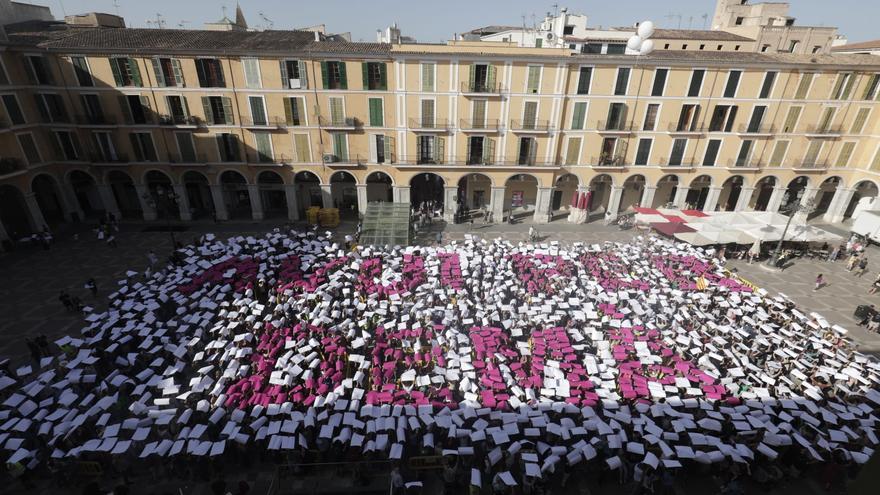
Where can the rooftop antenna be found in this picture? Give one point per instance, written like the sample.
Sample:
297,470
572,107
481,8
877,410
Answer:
555,10
223,8
270,25
705,19
182,24
690,22
63,11
116,6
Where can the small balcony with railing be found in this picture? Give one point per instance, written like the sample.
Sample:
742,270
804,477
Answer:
188,159
677,163
823,131
347,160
429,124
481,88
181,121
693,130
257,159
620,126
607,161
757,130
754,164
106,159
530,126
263,123
339,123
811,165
479,125
97,121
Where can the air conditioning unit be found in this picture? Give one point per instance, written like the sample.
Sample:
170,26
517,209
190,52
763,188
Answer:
350,122
330,158
295,83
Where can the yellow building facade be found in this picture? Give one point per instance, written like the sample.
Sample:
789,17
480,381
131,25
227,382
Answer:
150,124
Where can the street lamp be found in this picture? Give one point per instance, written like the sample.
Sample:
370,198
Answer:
163,199
791,209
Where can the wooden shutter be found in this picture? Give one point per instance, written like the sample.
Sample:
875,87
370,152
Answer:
185,106
827,117
337,113
157,69
301,142
376,117
577,118
325,75
472,81
135,72
572,150
427,77
859,121
343,78
178,73
837,85
439,149
365,74
875,163
845,153
791,119
427,113
200,71
389,149
803,86
227,110
533,150
285,79
136,147
383,76
251,72
488,151
490,78
209,112
534,79
813,152
288,110
114,67
479,113
778,153
871,87
530,114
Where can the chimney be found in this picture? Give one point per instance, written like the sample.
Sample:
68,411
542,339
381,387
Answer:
317,36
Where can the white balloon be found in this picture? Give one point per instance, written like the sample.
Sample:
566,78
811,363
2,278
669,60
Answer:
647,47
646,29
634,42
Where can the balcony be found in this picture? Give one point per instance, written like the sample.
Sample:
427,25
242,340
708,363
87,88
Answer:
811,166
96,121
339,123
745,164
263,123
197,159
530,126
181,121
828,131
100,159
474,161
479,126
764,130
608,162
9,166
144,120
614,127
682,164
429,125
692,130
257,160
480,89
332,160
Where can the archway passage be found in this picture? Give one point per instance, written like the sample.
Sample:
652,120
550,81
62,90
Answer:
161,195
379,188
426,190
308,192
824,195
633,188
795,190
126,195
198,193
474,194
520,195
864,197
236,196
14,213
272,194
87,196
730,193
563,194
698,192
667,186
762,193
48,198
343,191
600,193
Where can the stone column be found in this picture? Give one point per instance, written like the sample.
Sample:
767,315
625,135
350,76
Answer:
775,200
109,200
219,203
182,202
712,198
450,203
614,200
362,199
69,202
745,195
496,204
648,197
401,194
148,210
36,215
542,205
839,203
292,205
809,193
681,194
256,201
327,195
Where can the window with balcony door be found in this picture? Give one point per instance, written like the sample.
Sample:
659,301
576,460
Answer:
377,117
81,69
578,115
745,150
610,152
845,154
584,77
791,119
302,148
573,151
382,148
643,151
811,157
333,75
723,117
168,72
218,110
659,82
227,146
871,88
528,150
68,145
105,147
13,109
252,79
210,73
616,117
142,146
530,115
337,111
340,146
374,75
263,146
711,156
676,157
482,78
827,119
689,117
533,80
696,82
843,86
178,109
859,122
29,148
39,71
51,107
426,151
804,84
126,72
428,83
293,74
767,85
294,111
622,81
258,110
651,112
778,155
757,119
732,83
481,150
185,147
136,109
478,114
427,114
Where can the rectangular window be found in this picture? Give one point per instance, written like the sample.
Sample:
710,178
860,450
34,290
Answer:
859,121
218,110
178,110
767,85
533,82
478,114
530,115
592,48
4,76
263,143
723,118
29,148
871,87
651,116
622,81
757,118
38,70
92,105
812,155
427,114
227,144
804,86
186,147
778,153
610,155
659,82
528,149
374,76
294,111
616,117
843,86
142,146
258,110
377,118
689,118
251,73
301,148
711,156
732,83
643,152
586,73
827,119
579,115
69,144
425,152
293,74
210,73
81,69
677,155
51,107
428,77
742,158
136,109
125,72
696,82
168,72
104,145
846,152
378,148
791,119
337,111
333,75
13,109
615,49
340,146
573,151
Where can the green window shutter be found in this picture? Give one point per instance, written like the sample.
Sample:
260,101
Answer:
288,111
472,80
117,74
376,117
365,74
285,79
157,69
206,106
383,77
580,111
489,151
389,149
845,153
178,72
534,79
301,142
859,121
490,78
342,75
325,75
571,152
427,113
778,153
849,86
440,149
303,75
804,86
227,110
135,72
185,106
427,77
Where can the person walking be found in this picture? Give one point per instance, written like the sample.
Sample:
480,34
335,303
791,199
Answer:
863,267
820,282
851,261
93,287
153,258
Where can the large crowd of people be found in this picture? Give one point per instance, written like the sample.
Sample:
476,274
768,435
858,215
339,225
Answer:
514,362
